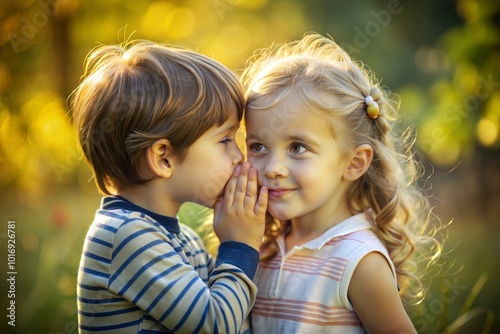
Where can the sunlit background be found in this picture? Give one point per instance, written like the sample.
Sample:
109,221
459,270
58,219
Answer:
441,57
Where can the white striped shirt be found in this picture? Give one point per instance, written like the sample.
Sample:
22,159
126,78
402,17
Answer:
141,272
305,290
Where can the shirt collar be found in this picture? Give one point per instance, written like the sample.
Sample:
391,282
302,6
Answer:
352,224
171,224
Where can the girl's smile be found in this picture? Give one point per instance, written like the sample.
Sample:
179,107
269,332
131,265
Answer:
276,193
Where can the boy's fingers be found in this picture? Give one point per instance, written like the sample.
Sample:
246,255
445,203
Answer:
241,186
261,207
217,208
251,194
231,187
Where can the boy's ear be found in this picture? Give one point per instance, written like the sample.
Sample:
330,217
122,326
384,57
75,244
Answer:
360,161
160,158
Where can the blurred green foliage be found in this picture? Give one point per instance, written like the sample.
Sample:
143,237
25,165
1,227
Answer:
440,57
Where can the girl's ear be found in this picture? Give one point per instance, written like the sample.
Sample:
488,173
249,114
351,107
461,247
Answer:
360,161
160,158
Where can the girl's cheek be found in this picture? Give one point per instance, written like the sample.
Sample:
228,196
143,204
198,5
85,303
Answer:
252,161
255,164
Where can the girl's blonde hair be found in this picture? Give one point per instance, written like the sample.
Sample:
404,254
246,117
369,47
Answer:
315,67
135,94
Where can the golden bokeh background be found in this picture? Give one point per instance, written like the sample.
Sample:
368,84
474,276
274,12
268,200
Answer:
441,58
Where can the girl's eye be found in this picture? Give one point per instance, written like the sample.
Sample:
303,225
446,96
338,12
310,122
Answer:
256,147
226,140
297,148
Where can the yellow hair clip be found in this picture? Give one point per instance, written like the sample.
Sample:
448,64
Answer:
372,107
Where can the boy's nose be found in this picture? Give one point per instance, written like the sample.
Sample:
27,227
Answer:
237,156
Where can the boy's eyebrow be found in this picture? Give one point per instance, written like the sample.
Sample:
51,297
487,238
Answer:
226,128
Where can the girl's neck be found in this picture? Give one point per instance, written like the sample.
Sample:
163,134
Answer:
305,229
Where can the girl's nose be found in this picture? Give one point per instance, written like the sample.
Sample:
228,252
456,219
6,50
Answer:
275,167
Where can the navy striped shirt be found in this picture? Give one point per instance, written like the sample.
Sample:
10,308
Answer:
142,272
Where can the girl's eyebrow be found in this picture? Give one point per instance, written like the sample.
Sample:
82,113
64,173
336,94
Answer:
252,137
304,138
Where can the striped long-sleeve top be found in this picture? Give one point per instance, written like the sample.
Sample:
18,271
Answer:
141,272
305,289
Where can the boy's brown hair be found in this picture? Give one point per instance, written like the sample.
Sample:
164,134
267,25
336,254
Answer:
135,94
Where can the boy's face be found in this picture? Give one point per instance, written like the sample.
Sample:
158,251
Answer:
297,159
208,165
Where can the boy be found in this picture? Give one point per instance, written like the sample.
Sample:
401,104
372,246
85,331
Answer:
157,126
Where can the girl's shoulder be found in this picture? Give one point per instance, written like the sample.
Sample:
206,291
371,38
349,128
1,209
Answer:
354,246
366,236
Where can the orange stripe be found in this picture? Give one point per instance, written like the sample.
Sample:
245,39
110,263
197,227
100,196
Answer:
306,312
296,316
270,304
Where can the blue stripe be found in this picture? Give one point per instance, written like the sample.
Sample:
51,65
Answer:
110,313
202,320
210,263
113,215
99,241
236,297
97,257
106,227
99,301
179,298
132,237
94,272
90,287
217,271
154,279
143,269
179,249
199,251
155,223
133,257
188,312
234,279
109,328
229,306
201,266
161,294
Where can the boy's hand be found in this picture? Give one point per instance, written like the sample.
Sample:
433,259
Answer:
241,214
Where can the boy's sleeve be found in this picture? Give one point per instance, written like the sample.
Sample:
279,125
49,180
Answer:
210,261
147,271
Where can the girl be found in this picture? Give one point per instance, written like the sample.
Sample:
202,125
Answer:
347,219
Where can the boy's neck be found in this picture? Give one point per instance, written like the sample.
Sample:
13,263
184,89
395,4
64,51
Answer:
149,198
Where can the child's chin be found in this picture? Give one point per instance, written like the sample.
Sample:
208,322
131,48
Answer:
278,215
210,203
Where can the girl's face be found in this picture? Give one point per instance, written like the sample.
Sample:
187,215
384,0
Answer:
298,160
